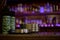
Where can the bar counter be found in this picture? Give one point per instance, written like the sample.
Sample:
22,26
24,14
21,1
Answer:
32,36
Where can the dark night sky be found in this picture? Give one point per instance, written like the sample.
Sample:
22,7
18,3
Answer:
11,2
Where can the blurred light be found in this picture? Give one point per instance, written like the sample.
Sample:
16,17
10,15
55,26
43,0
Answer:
52,25
17,21
58,25
17,25
42,25
48,7
36,10
41,10
20,9
12,9
16,9
48,25
33,12
48,10
45,25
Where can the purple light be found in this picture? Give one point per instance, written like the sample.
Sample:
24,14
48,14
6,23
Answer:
52,25
48,10
58,25
48,7
42,25
33,12
16,9
17,25
27,21
12,9
48,25
45,25
41,10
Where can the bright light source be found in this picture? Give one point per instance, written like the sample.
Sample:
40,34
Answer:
41,10
20,9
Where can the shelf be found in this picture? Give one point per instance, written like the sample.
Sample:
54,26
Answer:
39,36
36,14
35,34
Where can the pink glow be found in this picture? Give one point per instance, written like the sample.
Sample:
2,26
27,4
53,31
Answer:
17,25
45,25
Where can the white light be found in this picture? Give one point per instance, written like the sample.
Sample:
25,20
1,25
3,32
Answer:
20,9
